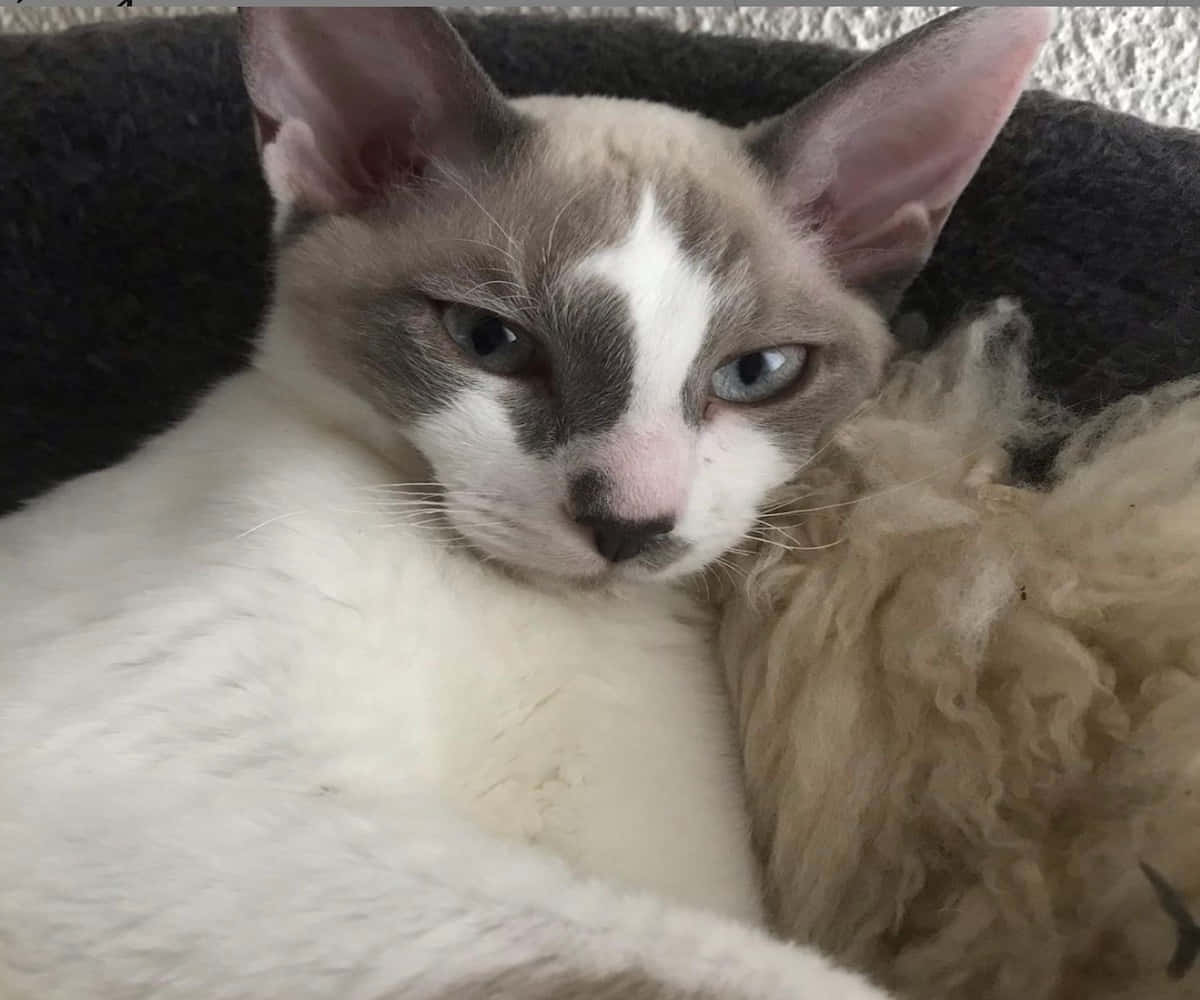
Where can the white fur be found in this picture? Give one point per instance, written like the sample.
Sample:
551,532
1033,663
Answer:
535,713
739,466
649,455
246,709
670,301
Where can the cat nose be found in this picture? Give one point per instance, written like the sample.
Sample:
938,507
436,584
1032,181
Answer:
618,540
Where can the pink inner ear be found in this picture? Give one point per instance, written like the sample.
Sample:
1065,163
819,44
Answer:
356,99
879,157
860,255
296,171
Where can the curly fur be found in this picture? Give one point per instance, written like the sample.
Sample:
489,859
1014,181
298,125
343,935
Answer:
970,708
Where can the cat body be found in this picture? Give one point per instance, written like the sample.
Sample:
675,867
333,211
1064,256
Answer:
382,674
386,660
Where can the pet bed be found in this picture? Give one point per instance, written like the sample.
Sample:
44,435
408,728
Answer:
134,244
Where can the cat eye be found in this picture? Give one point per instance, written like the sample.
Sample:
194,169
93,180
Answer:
759,375
490,342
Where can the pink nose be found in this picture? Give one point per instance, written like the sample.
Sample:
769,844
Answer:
643,476
616,538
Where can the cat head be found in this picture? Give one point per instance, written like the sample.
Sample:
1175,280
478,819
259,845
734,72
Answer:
611,328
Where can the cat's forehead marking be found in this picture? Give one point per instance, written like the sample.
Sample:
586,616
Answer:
629,318
669,300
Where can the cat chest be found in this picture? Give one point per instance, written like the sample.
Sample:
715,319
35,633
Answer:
593,726
517,707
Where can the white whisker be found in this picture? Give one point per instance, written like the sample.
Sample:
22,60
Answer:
491,246
549,248
800,548
267,522
886,491
512,243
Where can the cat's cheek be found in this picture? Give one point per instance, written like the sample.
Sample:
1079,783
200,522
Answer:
738,465
505,501
472,446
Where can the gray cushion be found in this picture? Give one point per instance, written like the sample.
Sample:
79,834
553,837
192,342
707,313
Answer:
133,222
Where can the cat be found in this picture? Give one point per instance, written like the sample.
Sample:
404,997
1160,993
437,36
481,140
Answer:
384,673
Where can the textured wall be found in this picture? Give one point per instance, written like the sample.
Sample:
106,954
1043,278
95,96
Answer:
1140,59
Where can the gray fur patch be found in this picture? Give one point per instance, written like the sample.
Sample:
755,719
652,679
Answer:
587,494
413,374
296,223
588,335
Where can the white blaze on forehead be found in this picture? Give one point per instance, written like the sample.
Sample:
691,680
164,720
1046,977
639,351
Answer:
670,300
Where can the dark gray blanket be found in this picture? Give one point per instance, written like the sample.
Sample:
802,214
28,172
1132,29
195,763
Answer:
133,223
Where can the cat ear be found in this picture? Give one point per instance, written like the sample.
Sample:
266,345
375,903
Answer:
351,101
876,159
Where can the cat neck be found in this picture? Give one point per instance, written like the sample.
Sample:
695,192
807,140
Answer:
320,401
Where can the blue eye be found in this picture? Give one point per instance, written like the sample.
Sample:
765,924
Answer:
490,342
759,375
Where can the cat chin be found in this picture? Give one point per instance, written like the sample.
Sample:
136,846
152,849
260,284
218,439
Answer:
543,578
515,562
612,578
555,574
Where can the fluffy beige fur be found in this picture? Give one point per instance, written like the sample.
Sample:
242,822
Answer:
970,708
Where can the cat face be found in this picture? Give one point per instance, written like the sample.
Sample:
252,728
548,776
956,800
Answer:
608,356
611,328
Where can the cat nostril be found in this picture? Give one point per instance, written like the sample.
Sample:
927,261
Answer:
618,541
